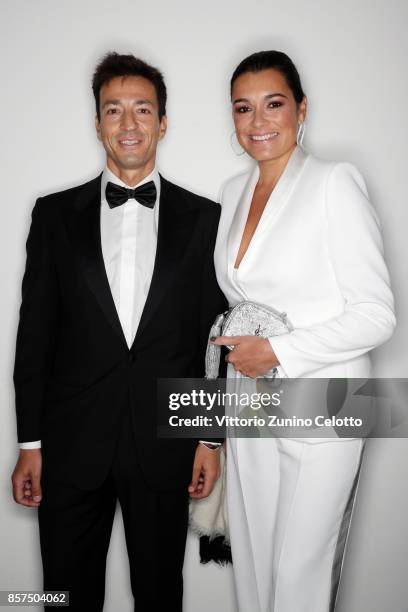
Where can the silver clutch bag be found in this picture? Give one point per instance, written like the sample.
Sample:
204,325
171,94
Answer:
245,319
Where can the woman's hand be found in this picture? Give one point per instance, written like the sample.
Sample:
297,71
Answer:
252,356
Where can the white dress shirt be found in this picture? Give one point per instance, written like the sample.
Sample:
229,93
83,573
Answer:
129,242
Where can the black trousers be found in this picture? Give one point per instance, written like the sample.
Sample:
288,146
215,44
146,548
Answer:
75,529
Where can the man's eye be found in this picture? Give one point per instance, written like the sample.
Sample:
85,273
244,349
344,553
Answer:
145,111
112,111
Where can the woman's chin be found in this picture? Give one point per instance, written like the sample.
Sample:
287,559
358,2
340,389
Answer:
270,153
261,156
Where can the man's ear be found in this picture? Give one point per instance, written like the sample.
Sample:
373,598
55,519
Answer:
98,127
163,127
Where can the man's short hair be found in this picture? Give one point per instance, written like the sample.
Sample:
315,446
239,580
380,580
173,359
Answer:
115,65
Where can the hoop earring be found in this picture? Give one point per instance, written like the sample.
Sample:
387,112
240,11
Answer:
300,133
234,144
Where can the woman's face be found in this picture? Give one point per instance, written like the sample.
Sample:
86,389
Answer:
266,114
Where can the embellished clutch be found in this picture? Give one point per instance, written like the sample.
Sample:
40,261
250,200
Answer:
245,319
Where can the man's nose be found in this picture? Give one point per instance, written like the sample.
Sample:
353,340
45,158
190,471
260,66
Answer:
129,121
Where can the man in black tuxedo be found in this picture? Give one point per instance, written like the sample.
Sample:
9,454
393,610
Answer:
119,290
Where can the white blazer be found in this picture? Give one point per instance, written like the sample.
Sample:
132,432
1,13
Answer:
317,254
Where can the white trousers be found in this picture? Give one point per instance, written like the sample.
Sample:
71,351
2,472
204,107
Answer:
289,506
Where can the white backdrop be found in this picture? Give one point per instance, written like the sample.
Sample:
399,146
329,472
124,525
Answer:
352,59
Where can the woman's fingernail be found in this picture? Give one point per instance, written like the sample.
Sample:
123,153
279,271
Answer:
213,338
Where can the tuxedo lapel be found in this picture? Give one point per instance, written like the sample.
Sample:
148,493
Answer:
84,228
175,230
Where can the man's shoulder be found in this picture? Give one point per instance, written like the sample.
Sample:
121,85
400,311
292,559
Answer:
68,196
187,198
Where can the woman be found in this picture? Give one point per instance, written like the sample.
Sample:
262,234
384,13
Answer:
298,234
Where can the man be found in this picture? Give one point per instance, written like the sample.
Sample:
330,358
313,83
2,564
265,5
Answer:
119,274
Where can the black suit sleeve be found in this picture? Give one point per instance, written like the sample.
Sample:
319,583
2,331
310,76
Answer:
37,327
213,301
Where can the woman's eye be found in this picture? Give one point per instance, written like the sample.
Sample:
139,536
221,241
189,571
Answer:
242,109
275,104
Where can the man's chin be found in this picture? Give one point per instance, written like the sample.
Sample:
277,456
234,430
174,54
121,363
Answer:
132,160
131,163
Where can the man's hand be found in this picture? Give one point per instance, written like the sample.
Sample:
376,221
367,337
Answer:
252,355
206,471
26,478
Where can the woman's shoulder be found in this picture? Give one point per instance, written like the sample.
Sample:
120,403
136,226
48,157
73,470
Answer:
343,188
323,170
334,170
234,185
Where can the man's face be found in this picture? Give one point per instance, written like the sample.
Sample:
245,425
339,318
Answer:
129,125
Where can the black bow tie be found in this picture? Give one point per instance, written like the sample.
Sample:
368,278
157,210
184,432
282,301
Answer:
145,194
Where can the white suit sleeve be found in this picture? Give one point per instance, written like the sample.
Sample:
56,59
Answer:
355,250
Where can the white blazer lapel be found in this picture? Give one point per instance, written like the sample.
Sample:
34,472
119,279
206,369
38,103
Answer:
277,200
282,191
240,217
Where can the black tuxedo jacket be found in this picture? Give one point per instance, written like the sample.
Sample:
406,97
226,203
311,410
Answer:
74,373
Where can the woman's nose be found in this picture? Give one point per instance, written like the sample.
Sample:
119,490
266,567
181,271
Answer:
258,118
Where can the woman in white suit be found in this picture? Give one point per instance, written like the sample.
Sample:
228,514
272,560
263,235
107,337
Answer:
299,234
